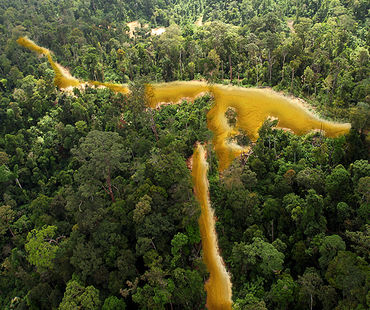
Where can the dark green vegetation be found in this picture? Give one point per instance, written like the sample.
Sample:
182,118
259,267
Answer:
96,203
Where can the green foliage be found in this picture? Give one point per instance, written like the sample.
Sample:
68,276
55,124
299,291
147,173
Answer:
329,248
338,182
77,296
348,273
100,155
5,174
311,283
313,221
157,293
311,178
113,303
282,292
7,216
249,302
179,241
260,257
359,169
142,208
41,247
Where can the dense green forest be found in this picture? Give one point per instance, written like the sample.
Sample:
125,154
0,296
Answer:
96,202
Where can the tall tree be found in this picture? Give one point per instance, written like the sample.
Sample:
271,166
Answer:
101,155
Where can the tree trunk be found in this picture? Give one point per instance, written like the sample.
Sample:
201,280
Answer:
8,224
231,69
282,69
12,233
154,128
270,67
180,66
272,230
334,86
291,82
110,191
222,70
18,183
